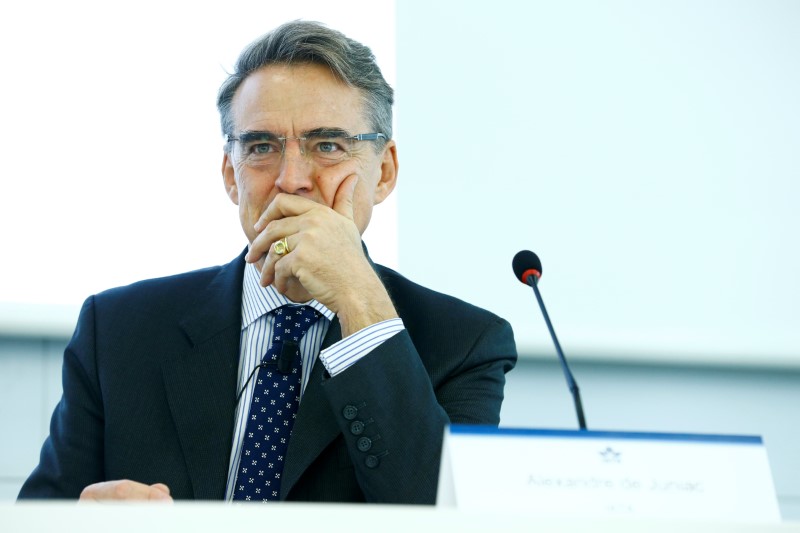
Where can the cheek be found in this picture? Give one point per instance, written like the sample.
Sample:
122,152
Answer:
254,197
254,189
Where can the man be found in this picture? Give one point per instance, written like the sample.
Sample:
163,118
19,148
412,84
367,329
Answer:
170,385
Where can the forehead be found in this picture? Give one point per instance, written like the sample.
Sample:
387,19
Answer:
293,98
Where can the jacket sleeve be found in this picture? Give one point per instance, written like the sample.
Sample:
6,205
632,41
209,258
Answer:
392,406
72,456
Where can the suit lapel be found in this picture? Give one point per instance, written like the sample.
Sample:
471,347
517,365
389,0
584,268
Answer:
200,381
315,426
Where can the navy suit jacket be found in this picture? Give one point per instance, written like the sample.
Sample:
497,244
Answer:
149,392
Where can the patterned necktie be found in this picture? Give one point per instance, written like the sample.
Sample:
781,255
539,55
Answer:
273,407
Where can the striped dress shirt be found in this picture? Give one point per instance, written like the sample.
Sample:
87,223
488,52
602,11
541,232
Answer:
257,323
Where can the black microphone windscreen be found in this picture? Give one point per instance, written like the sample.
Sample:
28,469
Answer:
287,355
524,261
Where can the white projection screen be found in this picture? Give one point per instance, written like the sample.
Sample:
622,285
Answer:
646,150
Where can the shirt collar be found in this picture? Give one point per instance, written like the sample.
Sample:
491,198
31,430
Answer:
258,301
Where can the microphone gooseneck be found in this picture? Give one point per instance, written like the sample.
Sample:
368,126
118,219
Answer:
528,269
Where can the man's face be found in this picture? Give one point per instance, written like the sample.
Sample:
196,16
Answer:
291,101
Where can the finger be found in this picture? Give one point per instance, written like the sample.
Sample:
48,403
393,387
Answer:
271,258
160,492
160,486
343,201
283,273
282,206
274,231
124,489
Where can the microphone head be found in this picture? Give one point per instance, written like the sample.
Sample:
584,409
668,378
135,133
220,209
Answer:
525,264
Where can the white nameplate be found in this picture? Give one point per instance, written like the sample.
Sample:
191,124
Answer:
607,474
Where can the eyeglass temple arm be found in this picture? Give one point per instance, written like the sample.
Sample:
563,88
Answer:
368,136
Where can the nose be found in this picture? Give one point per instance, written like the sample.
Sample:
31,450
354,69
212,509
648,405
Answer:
295,175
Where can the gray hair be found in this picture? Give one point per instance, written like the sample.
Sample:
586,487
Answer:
300,42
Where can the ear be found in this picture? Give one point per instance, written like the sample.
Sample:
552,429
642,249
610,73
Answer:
389,169
229,178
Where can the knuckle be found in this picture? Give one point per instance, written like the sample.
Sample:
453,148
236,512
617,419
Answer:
270,227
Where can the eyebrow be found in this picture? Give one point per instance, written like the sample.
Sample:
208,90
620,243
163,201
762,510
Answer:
326,133
316,133
249,136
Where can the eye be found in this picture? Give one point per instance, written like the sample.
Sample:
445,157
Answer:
263,148
328,147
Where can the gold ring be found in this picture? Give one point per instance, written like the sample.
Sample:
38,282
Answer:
281,247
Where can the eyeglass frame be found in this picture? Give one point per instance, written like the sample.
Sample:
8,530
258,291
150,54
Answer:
331,133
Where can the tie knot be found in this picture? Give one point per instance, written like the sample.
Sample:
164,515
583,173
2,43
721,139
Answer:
293,321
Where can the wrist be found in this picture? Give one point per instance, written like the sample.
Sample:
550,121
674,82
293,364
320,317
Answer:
364,307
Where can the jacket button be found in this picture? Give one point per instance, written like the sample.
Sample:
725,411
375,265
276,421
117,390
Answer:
372,461
357,427
350,412
364,444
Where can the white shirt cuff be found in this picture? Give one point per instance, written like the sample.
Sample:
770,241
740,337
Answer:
350,350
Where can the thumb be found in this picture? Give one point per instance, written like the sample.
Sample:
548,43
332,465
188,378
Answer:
343,201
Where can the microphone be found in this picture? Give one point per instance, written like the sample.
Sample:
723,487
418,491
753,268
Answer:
526,264
284,364
288,351
528,269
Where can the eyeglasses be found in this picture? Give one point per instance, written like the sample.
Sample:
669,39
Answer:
324,146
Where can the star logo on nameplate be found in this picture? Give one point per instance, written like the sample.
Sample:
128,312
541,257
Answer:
609,455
